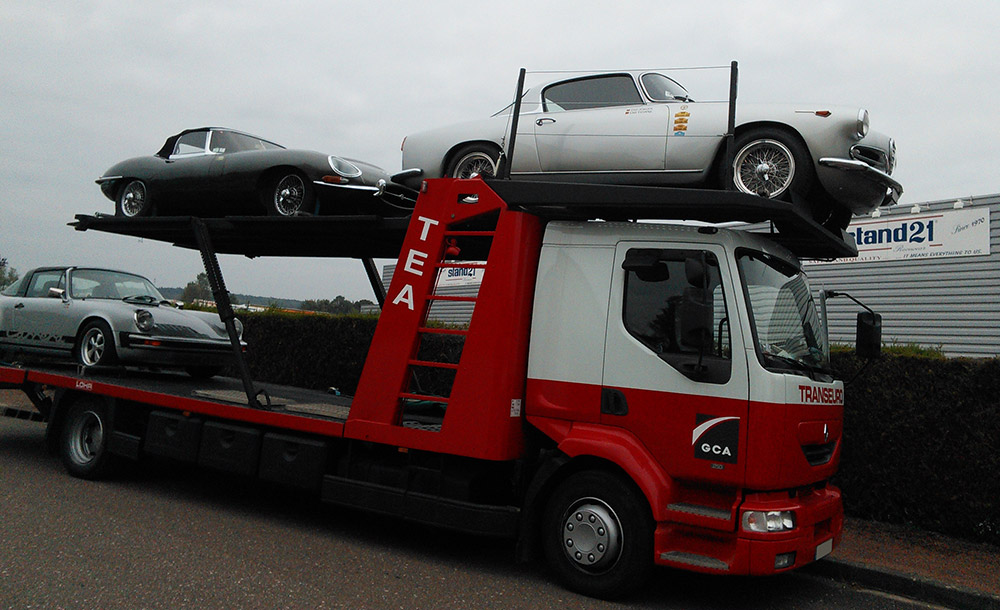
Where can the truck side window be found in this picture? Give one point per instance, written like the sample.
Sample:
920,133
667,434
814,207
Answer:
659,293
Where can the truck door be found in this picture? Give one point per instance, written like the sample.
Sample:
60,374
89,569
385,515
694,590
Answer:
675,371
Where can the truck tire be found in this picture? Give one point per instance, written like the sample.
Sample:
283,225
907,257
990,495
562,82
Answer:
598,534
83,442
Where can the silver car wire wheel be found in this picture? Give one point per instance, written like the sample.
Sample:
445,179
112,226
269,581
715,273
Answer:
476,163
765,168
92,346
86,438
133,199
289,195
592,535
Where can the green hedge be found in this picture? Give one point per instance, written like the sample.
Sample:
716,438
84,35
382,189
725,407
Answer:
921,433
922,443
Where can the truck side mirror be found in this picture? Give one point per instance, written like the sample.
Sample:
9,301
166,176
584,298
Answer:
869,339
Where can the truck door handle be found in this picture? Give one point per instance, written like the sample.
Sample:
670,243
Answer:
541,122
613,402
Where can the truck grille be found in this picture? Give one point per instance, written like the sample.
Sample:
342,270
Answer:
817,455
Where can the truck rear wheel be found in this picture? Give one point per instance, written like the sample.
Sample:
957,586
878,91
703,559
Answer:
598,534
84,440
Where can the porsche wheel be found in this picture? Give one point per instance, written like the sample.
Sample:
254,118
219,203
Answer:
83,444
96,345
133,200
474,160
771,164
598,534
291,195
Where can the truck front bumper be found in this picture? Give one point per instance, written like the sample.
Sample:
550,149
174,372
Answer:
819,522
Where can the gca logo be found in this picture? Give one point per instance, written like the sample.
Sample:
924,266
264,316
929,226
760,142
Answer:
716,438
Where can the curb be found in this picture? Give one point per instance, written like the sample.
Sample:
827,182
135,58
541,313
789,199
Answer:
905,585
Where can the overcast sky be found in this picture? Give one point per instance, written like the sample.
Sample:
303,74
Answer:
84,85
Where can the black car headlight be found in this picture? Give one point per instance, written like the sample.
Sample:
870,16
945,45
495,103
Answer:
344,168
143,320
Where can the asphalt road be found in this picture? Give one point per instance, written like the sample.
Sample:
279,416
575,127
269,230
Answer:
159,536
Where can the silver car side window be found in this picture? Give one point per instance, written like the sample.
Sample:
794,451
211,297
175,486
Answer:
42,281
594,92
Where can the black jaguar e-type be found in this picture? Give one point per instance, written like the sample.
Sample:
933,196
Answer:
211,172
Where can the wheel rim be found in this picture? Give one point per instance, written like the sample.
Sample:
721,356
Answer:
86,438
591,535
289,195
475,164
92,347
133,199
764,167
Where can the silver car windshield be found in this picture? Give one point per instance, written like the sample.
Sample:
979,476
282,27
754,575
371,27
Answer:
787,328
662,88
104,284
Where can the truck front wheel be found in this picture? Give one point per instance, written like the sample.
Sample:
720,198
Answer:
84,439
598,534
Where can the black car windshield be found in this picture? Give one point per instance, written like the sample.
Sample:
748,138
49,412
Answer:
787,328
662,88
104,284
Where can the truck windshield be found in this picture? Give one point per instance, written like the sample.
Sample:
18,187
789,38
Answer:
788,331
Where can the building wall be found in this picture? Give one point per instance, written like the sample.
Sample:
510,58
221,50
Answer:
947,299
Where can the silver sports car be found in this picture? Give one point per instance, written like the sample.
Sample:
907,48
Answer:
100,317
642,127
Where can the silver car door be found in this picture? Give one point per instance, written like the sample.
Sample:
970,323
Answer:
39,320
600,124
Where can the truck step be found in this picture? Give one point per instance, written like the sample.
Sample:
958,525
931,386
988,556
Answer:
22,414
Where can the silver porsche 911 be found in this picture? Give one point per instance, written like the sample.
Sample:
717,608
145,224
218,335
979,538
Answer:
642,127
101,317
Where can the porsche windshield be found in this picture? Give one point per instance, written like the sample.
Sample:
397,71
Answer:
787,328
104,284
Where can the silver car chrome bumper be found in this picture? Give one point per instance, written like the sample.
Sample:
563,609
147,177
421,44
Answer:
893,188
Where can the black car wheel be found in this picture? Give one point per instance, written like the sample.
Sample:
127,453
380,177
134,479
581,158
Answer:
133,200
96,344
474,160
291,194
598,534
83,444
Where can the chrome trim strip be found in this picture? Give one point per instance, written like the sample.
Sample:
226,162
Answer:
356,187
616,171
108,179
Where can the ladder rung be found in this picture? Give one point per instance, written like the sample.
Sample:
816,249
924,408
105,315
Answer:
409,396
436,365
456,299
461,265
469,233
443,331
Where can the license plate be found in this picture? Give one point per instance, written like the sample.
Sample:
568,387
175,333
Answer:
824,549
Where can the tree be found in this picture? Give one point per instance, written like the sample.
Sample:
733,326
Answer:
8,275
338,306
197,290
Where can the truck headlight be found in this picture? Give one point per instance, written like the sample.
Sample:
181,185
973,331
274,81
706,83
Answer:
768,521
143,320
